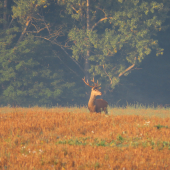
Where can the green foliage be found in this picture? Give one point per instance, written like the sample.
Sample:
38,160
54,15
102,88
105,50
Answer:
160,126
119,37
30,74
120,138
31,71
26,8
120,142
37,39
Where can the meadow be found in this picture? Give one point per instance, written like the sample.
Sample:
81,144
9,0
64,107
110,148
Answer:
73,139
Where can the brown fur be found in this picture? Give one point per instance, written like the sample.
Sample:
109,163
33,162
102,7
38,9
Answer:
101,105
97,105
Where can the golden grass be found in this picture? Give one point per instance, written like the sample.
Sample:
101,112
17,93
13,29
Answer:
73,138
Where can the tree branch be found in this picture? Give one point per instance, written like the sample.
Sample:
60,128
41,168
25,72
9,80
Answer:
72,58
107,75
54,42
23,32
130,67
66,65
52,38
10,23
102,19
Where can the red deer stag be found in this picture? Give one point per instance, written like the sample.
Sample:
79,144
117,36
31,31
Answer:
96,105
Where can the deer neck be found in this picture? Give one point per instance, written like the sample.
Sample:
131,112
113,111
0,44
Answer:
92,100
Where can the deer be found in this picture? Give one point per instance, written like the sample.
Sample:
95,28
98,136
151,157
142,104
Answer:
96,105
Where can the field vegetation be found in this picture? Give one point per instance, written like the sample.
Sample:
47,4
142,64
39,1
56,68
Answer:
74,139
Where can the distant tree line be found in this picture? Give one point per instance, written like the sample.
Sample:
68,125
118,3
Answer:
48,46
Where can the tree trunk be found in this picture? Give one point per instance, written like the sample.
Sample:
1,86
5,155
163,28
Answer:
88,51
5,14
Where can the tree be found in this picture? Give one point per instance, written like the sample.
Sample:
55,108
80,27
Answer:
30,71
121,34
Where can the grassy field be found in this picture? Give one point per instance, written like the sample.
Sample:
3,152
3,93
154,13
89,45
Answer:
74,139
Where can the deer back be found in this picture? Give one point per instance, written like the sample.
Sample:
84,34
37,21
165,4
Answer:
101,103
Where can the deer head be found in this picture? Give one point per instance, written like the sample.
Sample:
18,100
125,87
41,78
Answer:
94,88
96,105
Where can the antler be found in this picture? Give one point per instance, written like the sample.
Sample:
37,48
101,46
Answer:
87,83
95,84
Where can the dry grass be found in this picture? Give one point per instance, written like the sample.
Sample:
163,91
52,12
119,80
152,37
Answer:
71,138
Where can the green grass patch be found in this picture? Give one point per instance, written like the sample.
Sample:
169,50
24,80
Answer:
119,142
161,126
